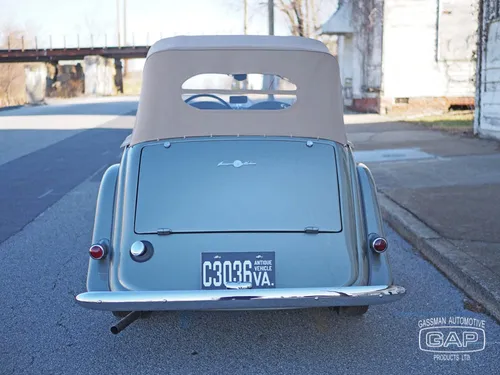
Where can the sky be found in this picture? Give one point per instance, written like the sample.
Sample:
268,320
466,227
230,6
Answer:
146,19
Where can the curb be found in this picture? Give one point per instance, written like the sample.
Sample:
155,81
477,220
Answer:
474,279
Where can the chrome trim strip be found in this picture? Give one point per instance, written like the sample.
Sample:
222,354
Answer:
240,299
238,285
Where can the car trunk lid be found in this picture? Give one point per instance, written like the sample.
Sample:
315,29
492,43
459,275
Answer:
238,186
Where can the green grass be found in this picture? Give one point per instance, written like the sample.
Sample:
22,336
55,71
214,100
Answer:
461,121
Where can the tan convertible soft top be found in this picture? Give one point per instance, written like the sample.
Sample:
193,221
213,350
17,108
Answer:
317,112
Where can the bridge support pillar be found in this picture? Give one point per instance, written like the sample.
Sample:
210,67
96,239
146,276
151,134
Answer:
119,75
99,78
52,73
35,80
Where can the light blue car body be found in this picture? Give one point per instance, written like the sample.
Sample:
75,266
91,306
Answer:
301,201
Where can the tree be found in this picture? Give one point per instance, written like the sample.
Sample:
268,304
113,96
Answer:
304,16
296,14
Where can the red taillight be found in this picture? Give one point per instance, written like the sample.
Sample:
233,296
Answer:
378,244
97,251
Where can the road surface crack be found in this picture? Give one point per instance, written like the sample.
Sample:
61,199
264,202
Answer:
59,323
54,285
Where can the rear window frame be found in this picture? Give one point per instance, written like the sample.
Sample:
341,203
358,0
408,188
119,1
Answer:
286,95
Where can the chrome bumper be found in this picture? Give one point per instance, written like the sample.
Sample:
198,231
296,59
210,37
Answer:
240,299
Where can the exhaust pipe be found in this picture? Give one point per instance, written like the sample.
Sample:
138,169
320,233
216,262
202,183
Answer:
125,322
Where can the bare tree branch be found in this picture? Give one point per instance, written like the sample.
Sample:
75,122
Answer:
287,9
302,16
297,9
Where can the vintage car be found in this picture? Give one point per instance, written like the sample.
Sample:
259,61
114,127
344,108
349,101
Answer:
237,188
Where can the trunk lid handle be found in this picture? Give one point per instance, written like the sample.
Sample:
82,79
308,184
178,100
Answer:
311,230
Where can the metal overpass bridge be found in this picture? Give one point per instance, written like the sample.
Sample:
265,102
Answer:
18,52
58,54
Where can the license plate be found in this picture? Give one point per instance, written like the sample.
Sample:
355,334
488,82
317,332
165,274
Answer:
218,269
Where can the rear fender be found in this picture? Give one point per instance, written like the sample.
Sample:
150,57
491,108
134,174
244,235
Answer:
357,230
98,271
380,270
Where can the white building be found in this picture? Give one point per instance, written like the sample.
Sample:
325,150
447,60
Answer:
406,55
487,116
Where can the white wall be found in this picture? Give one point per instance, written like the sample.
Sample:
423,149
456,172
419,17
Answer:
366,53
356,62
489,110
413,66
373,60
345,60
359,47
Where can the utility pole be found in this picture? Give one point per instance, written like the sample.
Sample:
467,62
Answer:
270,10
118,22
270,13
125,66
245,15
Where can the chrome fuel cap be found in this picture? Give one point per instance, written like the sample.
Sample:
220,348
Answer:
138,248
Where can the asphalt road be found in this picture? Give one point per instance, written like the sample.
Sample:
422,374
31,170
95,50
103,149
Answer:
47,202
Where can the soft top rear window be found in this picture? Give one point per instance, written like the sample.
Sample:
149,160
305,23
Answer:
239,91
